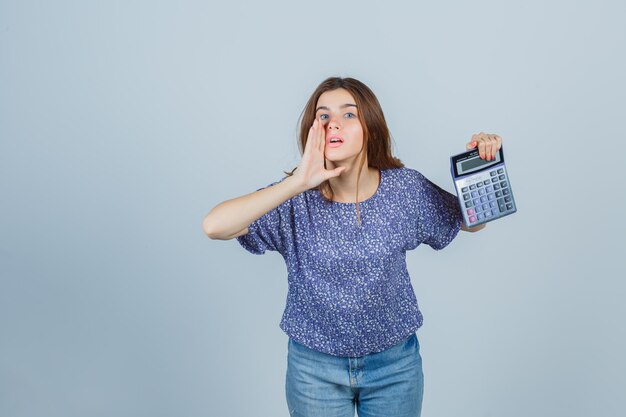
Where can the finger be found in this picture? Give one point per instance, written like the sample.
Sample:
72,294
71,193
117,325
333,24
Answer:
499,139
486,141
314,133
335,172
494,147
488,147
482,148
322,134
309,139
470,145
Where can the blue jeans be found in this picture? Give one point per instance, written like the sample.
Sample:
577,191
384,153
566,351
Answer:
382,384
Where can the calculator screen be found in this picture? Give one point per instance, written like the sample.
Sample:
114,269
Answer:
474,163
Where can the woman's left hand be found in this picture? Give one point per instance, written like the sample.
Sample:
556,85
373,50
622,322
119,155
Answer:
488,145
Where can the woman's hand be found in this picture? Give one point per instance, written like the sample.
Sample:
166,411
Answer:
311,171
488,145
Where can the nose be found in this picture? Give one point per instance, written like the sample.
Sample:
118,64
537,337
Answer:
333,123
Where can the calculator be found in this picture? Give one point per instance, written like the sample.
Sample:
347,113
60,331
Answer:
483,187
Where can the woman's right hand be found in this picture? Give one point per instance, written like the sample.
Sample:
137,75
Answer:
311,171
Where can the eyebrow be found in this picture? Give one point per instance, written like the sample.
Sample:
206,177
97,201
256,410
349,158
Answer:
341,107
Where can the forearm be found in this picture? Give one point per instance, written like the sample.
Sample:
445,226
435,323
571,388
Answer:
472,229
232,216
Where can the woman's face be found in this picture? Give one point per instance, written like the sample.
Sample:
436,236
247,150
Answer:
344,133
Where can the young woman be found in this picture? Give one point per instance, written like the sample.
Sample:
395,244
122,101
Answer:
343,220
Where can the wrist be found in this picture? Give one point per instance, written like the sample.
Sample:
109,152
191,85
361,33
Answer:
295,185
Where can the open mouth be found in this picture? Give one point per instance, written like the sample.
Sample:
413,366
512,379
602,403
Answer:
333,142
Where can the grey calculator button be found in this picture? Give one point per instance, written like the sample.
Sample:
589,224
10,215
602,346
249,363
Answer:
501,170
466,197
486,182
489,189
506,191
496,186
493,173
483,199
468,204
507,199
485,206
502,177
509,206
488,213
472,187
491,197
476,202
480,216
498,194
495,179
493,204
479,208
481,191
464,189
474,194
480,184
504,184
501,205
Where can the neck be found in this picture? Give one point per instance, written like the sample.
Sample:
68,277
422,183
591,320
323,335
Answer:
345,185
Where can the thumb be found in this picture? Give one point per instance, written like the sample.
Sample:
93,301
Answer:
336,172
471,145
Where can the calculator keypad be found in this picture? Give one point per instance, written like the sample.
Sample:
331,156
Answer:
488,196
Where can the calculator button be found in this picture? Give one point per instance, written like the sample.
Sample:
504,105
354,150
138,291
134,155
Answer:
488,213
489,189
472,219
496,186
480,184
507,199
478,208
498,194
464,189
501,205
481,191
470,211
501,177
480,216
485,207
493,173
504,184
474,194
509,206
491,197
476,201
493,204
486,182
483,199
506,191
494,179
501,170
472,187
466,197
468,204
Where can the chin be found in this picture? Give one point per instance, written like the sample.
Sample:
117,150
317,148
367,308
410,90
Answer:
341,158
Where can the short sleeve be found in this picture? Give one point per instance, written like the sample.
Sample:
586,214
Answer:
269,231
439,214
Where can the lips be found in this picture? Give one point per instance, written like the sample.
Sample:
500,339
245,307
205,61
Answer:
334,141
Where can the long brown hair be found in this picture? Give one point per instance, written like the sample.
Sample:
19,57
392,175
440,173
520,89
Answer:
376,137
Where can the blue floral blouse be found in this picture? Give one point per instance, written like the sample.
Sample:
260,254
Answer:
349,291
